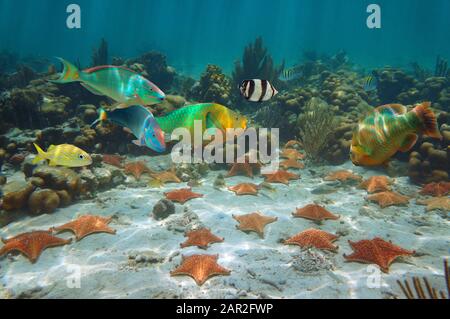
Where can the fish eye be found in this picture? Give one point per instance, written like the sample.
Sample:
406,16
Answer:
81,156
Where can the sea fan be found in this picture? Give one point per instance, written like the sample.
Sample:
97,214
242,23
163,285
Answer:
432,293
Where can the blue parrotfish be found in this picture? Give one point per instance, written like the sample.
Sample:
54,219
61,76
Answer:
123,85
140,121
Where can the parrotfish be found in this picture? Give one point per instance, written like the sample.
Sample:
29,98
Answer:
63,155
388,129
211,115
140,121
124,86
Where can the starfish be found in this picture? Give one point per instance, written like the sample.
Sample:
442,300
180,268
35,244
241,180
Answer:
254,222
241,168
280,177
168,176
385,199
441,203
292,144
342,176
291,163
314,212
436,189
313,238
200,268
86,225
182,195
376,184
291,154
245,189
32,244
114,160
136,169
200,238
376,251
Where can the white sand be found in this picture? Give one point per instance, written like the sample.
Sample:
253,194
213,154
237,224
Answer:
259,267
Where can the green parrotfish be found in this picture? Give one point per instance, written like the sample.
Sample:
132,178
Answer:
211,115
124,86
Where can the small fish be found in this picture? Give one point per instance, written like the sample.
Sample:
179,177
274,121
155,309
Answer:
290,74
257,90
388,129
370,83
124,86
140,122
63,155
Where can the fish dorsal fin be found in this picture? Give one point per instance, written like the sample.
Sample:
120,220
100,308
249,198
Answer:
91,89
408,143
51,147
394,109
103,67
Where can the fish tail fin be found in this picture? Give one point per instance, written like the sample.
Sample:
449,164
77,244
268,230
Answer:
41,155
69,74
429,121
102,116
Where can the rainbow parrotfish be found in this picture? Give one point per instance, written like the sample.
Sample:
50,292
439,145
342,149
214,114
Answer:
388,129
140,121
211,115
63,155
124,86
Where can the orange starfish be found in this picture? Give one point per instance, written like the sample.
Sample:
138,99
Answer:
280,177
436,189
32,244
376,251
200,268
254,222
182,195
385,199
136,169
292,163
200,238
314,212
342,176
86,225
441,203
376,184
291,154
245,189
168,176
313,238
114,160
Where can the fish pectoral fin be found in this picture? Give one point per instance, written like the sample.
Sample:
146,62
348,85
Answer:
137,142
52,163
409,141
90,89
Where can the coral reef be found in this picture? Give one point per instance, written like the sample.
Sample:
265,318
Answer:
153,65
429,161
213,86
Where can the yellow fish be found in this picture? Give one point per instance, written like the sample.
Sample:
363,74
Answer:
63,155
388,129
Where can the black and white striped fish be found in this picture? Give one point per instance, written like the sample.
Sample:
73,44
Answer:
257,90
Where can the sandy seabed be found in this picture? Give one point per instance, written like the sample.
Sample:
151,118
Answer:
136,262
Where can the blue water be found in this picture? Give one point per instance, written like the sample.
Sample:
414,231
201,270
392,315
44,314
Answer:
193,33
